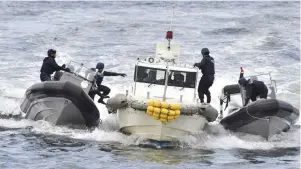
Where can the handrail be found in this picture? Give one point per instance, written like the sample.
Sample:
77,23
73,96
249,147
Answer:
81,64
81,77
260,74
275,85
269,74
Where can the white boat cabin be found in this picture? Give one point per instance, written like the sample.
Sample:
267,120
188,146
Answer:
162,78
167,83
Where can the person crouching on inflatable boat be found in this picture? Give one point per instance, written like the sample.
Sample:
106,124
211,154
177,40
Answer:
102,88
49,66
254,88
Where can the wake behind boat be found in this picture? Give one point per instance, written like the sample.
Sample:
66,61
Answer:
64,101
162,104
264,117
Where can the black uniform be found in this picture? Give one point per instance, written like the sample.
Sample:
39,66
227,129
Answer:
49,66
208,70
253,90
102,88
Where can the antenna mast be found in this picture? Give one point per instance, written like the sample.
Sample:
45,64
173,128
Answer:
169,33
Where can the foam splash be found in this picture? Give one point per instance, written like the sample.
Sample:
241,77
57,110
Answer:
215,137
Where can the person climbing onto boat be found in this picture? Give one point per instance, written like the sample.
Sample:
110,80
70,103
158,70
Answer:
98,80
254,88
208,71
49,66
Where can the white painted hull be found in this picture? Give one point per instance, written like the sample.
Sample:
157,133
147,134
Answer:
141,124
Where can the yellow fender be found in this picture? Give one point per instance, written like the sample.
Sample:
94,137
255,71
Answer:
163,111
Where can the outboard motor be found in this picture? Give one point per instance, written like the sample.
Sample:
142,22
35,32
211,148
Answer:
225,96
229,90
57,76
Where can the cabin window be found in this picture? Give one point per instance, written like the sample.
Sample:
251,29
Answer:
182,79
149,75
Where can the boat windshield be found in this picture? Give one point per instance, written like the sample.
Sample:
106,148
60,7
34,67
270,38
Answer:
80,70
149,75
181,79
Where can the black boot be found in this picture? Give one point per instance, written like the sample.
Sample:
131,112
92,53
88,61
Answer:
208,98
105,96
100,100
201,99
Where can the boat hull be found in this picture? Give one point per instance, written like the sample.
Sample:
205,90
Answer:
60,103
264,117
139,123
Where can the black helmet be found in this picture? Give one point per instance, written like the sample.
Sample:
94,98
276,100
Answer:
51,52
205,51
100,65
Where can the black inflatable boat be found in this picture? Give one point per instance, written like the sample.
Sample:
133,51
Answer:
62,102
264,117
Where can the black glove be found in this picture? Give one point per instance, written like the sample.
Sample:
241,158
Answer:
195,65
122,74
67,70
63,66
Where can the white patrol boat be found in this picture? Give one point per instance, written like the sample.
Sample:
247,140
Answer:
163,104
